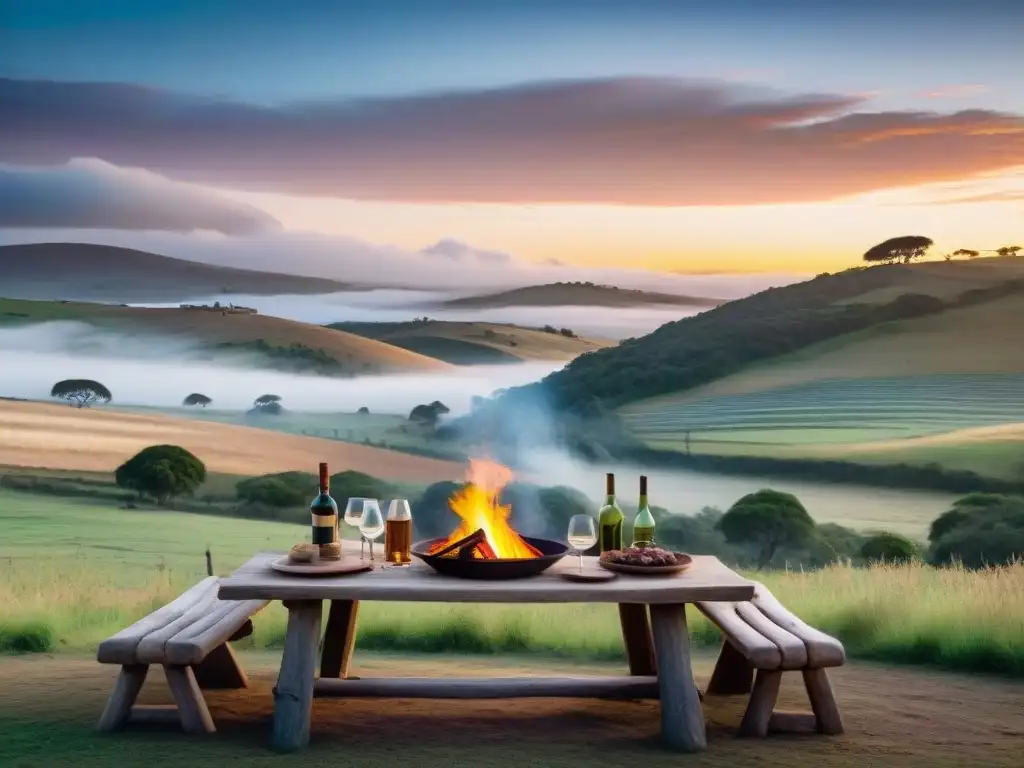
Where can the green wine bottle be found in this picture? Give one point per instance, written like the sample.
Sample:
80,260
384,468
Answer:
610,519
643,525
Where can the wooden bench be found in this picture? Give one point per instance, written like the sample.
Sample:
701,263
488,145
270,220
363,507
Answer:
190,638
762,636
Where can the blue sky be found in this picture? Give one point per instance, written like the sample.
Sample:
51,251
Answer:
273,50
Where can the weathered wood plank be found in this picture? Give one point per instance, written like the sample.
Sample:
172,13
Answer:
121,647
633,687
822,650
339,639
823,701
762,702
762,652
195,717
682,718
792,648
707,579
191,644
792,722
126,690
636,635
293,695
732,675
152,647
220,670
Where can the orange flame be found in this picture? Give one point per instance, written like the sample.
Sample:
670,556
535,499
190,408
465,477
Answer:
478,508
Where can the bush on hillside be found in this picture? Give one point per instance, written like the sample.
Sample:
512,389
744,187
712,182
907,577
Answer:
888,548
161,472
769,520
280,490
962,511
982,536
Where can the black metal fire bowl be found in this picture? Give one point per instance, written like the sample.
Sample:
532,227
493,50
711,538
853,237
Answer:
494,570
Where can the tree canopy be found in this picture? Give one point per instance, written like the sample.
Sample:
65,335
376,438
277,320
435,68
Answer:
266,400
888,547
81,392
970,254
1008,250
429,413
161,472
768,519
904,249
197,398
980,531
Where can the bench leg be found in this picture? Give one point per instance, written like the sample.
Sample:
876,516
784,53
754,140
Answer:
220,670
195,717
126,690
339,639
762,703
732,675
823,702
636,634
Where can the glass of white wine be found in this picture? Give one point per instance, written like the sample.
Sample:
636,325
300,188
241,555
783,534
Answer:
354,515
371,524
582,535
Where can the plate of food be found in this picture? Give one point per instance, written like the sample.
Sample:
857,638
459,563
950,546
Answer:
304,560
645,561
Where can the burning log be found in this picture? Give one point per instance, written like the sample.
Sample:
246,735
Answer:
480,549
466,544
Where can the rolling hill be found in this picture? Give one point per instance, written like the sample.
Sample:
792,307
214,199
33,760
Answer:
264,340
576,294
464,343
86,272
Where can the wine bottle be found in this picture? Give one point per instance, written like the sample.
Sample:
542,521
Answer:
609,519
643,525
324,512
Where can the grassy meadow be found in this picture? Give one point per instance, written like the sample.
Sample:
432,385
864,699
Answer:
73,572
871,420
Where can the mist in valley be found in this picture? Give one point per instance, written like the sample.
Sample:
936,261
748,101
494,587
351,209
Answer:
149,371
395,305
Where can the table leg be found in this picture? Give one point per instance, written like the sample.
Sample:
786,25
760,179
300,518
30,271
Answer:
293,695
682,718
636,634
339,639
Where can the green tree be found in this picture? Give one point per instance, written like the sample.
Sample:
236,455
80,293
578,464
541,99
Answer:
981,530
81,393
161,472
962,511
888,548
904,249
967,252
1008,250
428,414
268,404
197,398
281,490
769,520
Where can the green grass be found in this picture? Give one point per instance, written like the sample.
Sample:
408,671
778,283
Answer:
815,420
72,573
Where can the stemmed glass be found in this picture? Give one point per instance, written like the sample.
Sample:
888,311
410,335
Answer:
353,517
582,535
371,525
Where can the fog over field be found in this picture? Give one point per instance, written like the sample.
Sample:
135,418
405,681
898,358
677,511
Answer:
394,305
139,371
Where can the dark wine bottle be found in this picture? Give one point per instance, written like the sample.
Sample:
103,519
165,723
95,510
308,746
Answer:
324,512
610,519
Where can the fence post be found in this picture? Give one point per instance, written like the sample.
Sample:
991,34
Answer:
209,563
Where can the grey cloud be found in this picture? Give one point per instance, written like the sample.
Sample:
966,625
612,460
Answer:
86,193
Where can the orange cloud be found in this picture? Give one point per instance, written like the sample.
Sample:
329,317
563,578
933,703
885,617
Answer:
954,91
627,141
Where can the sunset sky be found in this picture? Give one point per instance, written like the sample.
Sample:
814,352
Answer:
675,136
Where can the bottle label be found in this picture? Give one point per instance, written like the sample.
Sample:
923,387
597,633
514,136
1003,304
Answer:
323,534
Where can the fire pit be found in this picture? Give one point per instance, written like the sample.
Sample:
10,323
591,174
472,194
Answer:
484,545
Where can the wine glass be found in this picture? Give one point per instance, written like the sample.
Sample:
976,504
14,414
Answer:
353,516
582,535
371,525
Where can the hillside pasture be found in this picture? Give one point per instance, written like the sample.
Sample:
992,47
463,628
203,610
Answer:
960,421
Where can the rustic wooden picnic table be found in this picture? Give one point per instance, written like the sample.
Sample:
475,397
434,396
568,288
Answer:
658,651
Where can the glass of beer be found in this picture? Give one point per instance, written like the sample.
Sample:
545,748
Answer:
398,533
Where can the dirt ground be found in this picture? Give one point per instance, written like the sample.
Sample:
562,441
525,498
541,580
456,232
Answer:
94,440
894,717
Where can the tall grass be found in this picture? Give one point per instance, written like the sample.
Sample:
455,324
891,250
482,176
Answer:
955,619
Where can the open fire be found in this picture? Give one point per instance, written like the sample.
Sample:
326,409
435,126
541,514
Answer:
484,532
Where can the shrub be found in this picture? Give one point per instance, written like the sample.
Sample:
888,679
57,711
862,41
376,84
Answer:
888,548
987,536
280,490
769,520
162,472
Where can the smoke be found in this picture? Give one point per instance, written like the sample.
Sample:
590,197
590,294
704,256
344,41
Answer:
151,371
